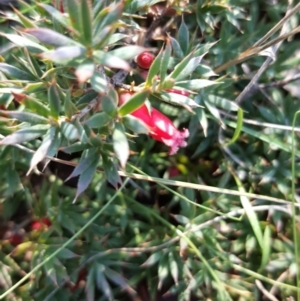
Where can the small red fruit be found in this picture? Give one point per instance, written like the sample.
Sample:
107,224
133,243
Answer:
16,239
39,224
180,92
145,59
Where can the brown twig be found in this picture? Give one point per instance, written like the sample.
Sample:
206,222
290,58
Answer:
280,83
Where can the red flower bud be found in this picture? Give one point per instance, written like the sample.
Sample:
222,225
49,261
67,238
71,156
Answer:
160,126
145,59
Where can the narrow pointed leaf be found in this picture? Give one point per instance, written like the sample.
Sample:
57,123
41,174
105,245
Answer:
165,62
120,143
154,69
136,101
127,52
135,125
111,171
102,283
54,100
65,54
25,42
24,135
98,120
178,99
99,83
176,48
189,68
74,10
42,151
196,84
57,15
111,60
25,117
86,15
14,72
51,37
86,177
86,160
238,129
183,36
222,103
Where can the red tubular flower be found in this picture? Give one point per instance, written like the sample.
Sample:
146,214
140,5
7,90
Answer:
160,126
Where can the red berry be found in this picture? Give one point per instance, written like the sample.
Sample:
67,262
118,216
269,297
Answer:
145,59
46,221
180,92
39,224
16,239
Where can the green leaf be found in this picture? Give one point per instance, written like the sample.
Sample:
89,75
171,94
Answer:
251,214
75,16
86,177
270,139
152,259
238,129
109,105
32,104
51,37
202,119
75,148
165,62
178,99
116,37
27,23
111,171
102,39
213,110
135,125
54,100
86,160
222,103
135,102
98,120
69,131
15,72
110,60
176,48
63,55
173,266
57,15
13,181
117,278
179,67
120,143
163,270
107,16
189,68
42,151
99,83
154,69
25,42
24,135
25,117
86,15
195,84
184,37
69,107
102,283
127,52
266,250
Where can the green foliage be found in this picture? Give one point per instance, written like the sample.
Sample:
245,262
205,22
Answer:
86,208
